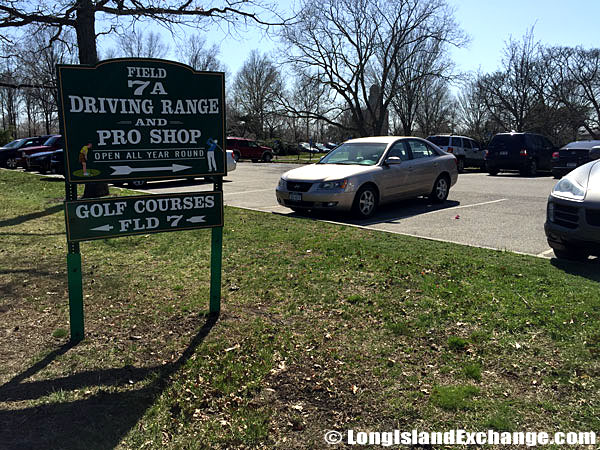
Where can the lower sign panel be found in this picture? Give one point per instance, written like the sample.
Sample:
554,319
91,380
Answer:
125,216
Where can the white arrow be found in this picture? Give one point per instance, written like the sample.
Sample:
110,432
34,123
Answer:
126,170
196,219
103,228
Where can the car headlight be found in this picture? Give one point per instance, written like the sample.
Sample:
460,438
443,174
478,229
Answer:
339,184
570,189
282,184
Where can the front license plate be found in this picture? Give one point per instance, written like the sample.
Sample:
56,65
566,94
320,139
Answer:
503,153
571,164
295,197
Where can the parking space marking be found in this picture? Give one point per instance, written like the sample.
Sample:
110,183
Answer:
249,192
441,210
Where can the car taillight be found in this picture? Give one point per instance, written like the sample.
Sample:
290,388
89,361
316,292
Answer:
485,154
555,155
523,152
450,150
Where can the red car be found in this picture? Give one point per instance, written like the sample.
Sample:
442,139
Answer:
52,143
249,149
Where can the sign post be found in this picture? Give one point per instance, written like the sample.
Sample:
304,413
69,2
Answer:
140,119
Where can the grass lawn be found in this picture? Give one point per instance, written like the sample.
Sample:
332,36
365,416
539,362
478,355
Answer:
323,327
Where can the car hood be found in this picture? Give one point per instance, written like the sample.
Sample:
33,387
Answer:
593,186
326,172
38,154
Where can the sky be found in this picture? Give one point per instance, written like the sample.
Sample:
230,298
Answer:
489,24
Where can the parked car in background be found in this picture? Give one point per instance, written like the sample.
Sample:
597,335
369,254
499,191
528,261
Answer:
572,155
46,162
248,149
9,154
52,143
526,152
363,173
307,148
322,148
573,212
468,152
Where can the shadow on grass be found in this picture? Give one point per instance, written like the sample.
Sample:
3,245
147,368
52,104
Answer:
589,269
100,421
32,216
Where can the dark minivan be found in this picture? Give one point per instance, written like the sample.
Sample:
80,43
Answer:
572,155
525,152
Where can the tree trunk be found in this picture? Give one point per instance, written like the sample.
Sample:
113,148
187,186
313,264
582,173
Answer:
86,42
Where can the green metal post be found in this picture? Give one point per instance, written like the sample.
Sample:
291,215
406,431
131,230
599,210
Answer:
75,296
216,257
216,260
74,279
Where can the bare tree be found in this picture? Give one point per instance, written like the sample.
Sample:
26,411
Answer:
256,89
80,15
138,44
574,80
473,115
352,45
436,108
194,52
511,93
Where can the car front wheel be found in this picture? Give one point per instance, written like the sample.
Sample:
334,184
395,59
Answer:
11,163
267,157
365,202
440,190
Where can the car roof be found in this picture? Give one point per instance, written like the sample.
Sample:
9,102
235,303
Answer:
382,139
582,144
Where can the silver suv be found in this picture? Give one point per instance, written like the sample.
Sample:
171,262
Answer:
468,151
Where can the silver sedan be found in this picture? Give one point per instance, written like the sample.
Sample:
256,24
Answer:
363,173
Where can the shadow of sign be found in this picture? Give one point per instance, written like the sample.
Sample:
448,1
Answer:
26,217
102,419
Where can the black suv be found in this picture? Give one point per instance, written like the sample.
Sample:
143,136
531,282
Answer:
525,152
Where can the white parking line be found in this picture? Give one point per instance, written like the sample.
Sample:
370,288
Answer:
544,254
249,192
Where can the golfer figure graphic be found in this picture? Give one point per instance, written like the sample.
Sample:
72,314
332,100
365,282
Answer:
210,154
83,156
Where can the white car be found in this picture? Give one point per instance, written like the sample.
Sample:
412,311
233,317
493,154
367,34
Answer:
363,173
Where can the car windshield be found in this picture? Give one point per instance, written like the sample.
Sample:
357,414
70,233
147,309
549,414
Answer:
362,153
51,141
13,144
501,141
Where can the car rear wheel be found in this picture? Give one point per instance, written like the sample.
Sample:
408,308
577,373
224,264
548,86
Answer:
440,190
236,156
460,165
574,254
365,202
531,169
45,167
11,163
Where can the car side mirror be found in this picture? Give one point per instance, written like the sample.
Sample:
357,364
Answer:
595,153
393,160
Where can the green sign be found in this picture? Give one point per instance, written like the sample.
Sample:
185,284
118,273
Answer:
132,119
124,216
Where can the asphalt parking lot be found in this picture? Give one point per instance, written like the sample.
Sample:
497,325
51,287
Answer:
505,212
